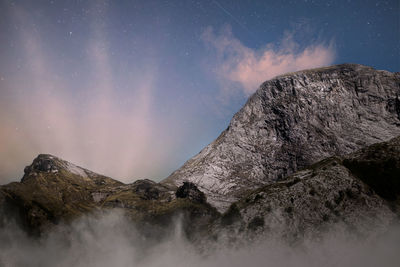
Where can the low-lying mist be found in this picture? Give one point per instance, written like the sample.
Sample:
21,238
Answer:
111,240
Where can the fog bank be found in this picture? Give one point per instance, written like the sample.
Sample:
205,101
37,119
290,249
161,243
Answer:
111,240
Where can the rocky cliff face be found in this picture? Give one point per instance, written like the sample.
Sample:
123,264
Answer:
291,122
358,193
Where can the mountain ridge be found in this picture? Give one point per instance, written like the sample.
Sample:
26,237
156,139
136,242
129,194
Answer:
294,156
292,121
337,191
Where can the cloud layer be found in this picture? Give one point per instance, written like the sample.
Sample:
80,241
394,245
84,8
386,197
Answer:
249,68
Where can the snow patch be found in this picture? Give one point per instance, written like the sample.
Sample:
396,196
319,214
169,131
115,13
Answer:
75,169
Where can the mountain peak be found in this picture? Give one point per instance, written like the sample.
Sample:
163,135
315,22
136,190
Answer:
292,121
327,69
43,163
46,164
338,68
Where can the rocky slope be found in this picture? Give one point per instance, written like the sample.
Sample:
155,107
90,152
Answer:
54,191
358,193
291,122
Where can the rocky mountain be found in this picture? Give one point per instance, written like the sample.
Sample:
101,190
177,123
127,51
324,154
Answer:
54,191
291,122
358,193
304,153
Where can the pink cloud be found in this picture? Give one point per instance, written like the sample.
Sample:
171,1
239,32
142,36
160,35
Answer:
249,68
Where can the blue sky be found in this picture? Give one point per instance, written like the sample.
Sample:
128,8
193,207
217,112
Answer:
132,89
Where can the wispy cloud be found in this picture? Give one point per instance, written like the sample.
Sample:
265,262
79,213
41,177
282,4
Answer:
91,126
248,68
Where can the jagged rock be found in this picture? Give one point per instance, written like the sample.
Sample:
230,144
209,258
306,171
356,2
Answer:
190,191
43,163
291,122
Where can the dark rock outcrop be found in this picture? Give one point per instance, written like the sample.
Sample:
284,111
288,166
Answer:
379,167
189,190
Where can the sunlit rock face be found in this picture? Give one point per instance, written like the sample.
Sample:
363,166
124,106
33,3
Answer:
291,122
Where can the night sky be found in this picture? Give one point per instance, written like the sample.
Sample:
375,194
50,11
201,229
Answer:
132,89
